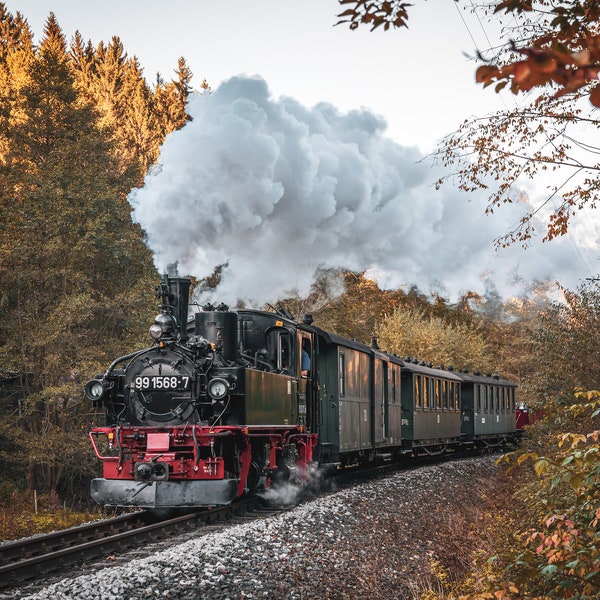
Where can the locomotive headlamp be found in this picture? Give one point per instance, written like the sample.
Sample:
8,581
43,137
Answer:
94,389
156,331
164,326
218,388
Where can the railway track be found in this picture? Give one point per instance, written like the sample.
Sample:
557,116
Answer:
30,558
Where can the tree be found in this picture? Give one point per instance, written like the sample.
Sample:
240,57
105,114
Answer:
72,263
375,13
139,118
410,332
561,47
565,344
356,304
552,52
16,53
558,556
170,99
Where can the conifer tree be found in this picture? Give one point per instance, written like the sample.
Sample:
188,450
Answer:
138,129
72,261
83,65
16,53
79,127
170,99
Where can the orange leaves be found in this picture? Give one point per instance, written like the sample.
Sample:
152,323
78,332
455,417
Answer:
565,54
555,57
595,95
569,71
375,13
514,5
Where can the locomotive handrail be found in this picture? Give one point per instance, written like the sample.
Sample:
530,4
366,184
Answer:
92,435
105,431
124,358
196,448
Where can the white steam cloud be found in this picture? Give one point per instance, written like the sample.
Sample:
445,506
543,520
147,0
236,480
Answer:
277,190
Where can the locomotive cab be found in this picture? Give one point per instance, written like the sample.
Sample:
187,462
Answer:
213,409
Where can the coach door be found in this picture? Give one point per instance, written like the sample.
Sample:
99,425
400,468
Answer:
306,368
380,397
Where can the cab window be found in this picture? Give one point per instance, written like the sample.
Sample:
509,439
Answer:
279,348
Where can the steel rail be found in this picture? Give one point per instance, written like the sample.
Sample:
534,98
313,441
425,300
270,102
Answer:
26,559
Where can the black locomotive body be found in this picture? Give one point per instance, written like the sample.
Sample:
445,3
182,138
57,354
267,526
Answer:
233,401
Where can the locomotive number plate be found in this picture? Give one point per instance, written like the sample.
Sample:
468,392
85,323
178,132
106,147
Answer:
161,382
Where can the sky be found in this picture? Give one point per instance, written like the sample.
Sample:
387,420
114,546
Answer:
311,152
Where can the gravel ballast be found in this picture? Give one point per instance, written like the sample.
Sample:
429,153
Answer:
376,540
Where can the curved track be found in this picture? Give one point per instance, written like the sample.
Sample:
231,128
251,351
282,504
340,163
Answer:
29,558
26,559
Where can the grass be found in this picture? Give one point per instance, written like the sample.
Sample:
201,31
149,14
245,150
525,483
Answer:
24,515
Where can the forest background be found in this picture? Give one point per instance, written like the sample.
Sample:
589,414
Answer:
79,128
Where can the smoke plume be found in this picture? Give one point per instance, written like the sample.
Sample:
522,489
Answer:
277,190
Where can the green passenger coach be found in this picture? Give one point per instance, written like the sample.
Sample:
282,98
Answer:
431,407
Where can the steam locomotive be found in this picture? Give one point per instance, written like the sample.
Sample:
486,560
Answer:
233,402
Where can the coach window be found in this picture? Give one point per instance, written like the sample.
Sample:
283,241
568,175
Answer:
342,373
486,397
477,389
456,397
425,392
446,401
431,392
418,397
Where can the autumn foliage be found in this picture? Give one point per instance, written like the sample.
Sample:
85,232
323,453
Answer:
564,52
561,552
563,47
375,13
549,54
78,128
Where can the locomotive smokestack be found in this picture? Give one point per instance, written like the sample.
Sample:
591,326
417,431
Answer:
179,298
